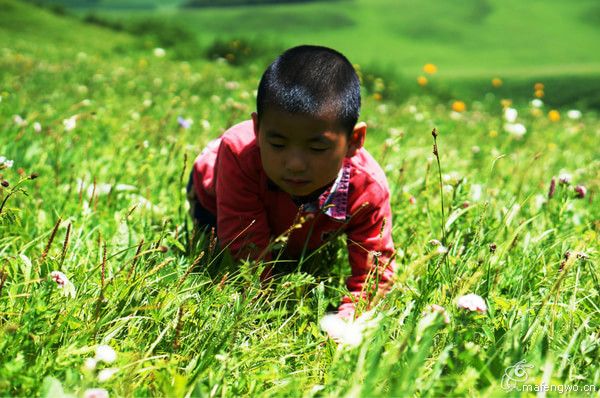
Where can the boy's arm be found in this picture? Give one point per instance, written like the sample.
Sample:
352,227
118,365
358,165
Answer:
242,223
369,236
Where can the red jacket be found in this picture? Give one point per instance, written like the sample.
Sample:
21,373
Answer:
229,181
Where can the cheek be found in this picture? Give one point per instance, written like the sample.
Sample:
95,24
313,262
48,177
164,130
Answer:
270,159
327,166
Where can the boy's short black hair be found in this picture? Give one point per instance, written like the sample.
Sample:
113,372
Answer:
311,80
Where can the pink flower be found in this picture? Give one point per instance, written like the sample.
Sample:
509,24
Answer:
565,178
472,302
580,190
63,283
60,278
95,393
412,200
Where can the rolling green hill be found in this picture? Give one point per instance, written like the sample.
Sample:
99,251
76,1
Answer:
470,41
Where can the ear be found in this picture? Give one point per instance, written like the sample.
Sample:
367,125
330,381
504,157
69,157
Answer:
255,125
357,139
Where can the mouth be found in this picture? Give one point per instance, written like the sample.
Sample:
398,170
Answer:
296,182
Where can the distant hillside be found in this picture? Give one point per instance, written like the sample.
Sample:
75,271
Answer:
23,25
234,3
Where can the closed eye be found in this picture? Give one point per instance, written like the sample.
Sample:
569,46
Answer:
276,145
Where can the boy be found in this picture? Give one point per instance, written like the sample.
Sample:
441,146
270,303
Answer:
301,157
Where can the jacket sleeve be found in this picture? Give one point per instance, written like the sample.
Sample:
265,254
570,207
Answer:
242,224
369,239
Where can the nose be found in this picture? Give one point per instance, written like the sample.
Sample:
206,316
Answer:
295,162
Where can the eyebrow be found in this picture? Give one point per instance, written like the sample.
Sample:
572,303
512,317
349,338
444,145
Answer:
275,134
317,138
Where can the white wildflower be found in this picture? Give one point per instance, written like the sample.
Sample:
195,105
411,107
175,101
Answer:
5,163
452,178
472,302
539,201
19,121
515,129
105,353
537,103
574,114
205,124
441,250
159,52
476,190
90,364
147,103
95,393
124,187
106,374
70,123
37,127
510,114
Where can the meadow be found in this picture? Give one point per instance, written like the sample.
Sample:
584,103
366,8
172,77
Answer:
104,284
471,41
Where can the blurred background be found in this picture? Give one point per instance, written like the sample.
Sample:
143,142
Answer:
470,47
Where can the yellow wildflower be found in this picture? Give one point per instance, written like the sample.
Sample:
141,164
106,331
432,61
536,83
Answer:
538,86
430,69
496,82
377,97
422,81
554,115
493,133
458,106
539,93
506,103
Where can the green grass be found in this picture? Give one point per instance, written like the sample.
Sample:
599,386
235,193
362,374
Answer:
186,324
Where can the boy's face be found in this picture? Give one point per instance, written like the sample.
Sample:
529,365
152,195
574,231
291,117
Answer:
302,154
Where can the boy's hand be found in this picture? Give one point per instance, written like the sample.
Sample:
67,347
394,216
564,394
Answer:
341,330
347,311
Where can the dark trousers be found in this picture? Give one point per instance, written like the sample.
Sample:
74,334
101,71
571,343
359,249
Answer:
202,218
